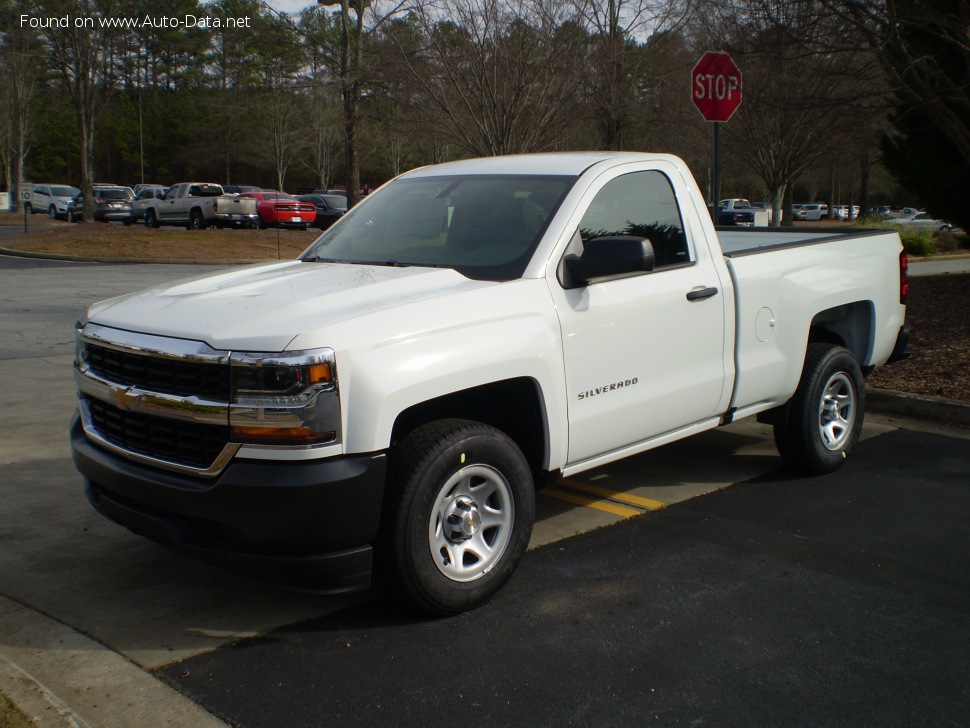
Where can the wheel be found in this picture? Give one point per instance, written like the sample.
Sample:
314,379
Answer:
151,220
128,221
824,416
196,220
52,212
459,515
260,223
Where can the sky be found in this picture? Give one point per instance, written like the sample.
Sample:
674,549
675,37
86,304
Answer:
289,6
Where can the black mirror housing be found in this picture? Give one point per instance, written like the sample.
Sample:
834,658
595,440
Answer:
611,256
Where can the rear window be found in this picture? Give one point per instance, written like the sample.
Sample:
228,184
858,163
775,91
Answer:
205,191
111,194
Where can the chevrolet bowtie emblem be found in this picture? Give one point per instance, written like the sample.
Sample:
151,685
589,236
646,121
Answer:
124,398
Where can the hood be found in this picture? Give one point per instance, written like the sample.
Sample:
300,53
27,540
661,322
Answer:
264,307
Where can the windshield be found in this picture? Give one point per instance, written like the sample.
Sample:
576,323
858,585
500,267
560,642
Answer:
485,227
65,191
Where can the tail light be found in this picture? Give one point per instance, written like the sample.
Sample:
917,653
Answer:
903,277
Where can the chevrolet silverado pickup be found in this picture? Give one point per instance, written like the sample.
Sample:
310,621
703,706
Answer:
390,401
196,205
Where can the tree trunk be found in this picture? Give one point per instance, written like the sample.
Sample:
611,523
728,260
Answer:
351,98
865,166
777,200
789,197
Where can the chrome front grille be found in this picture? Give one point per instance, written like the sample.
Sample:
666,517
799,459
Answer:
205,380
155,399
159,438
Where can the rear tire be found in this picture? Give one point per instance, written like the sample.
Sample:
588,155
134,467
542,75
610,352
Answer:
196,221
824,417
459,516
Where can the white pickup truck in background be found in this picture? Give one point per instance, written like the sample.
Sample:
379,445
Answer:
467,334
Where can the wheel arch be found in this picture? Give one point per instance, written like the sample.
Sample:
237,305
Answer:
514,406
850,325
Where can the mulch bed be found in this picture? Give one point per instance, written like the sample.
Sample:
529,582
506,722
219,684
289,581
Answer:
938,313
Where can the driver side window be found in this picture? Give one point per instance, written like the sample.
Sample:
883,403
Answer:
640,204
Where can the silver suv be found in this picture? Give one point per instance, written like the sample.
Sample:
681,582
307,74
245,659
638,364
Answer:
52,199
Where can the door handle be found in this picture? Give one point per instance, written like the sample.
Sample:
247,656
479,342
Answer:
701,293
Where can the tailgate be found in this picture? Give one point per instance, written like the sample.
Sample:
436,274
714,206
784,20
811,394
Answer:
236,205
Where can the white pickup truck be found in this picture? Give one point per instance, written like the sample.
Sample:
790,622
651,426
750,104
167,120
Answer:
469,333
196,205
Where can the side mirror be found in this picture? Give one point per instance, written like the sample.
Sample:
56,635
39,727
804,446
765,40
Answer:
611,256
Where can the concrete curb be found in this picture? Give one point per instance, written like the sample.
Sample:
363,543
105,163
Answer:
937,409
100,259
60,677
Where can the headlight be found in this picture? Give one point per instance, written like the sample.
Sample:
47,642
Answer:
288,398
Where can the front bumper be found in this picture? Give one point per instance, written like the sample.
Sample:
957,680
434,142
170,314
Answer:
305,525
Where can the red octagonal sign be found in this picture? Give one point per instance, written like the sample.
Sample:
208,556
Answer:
716,86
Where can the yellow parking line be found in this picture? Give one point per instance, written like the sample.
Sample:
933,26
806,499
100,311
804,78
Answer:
636,500
600,505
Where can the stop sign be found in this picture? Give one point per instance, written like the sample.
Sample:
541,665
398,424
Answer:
716,86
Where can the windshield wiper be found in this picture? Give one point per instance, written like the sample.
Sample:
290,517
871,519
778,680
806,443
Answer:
318,259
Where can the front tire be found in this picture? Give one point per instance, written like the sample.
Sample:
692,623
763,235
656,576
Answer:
151,219
460,516
824,417
52,212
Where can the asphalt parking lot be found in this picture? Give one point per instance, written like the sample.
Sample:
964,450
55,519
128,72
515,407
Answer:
842,600
818,601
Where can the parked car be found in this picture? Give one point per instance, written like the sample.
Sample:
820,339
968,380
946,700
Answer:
143,198
112,203
922,221
740,213
52,199
330,208
282,210
198,205
810,211
846,212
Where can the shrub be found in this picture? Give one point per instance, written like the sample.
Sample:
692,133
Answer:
919,242
947,242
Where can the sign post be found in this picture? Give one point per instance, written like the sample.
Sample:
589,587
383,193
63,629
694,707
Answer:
716,91
24,199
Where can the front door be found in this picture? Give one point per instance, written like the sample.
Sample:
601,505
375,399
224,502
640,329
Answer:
642,359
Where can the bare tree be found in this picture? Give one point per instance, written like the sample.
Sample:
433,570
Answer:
19,62
80,51
618,63
340,40
321,131
924,47
500,75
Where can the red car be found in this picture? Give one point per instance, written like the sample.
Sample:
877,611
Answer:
282,210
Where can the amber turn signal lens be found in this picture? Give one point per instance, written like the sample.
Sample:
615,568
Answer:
319,373
281,435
